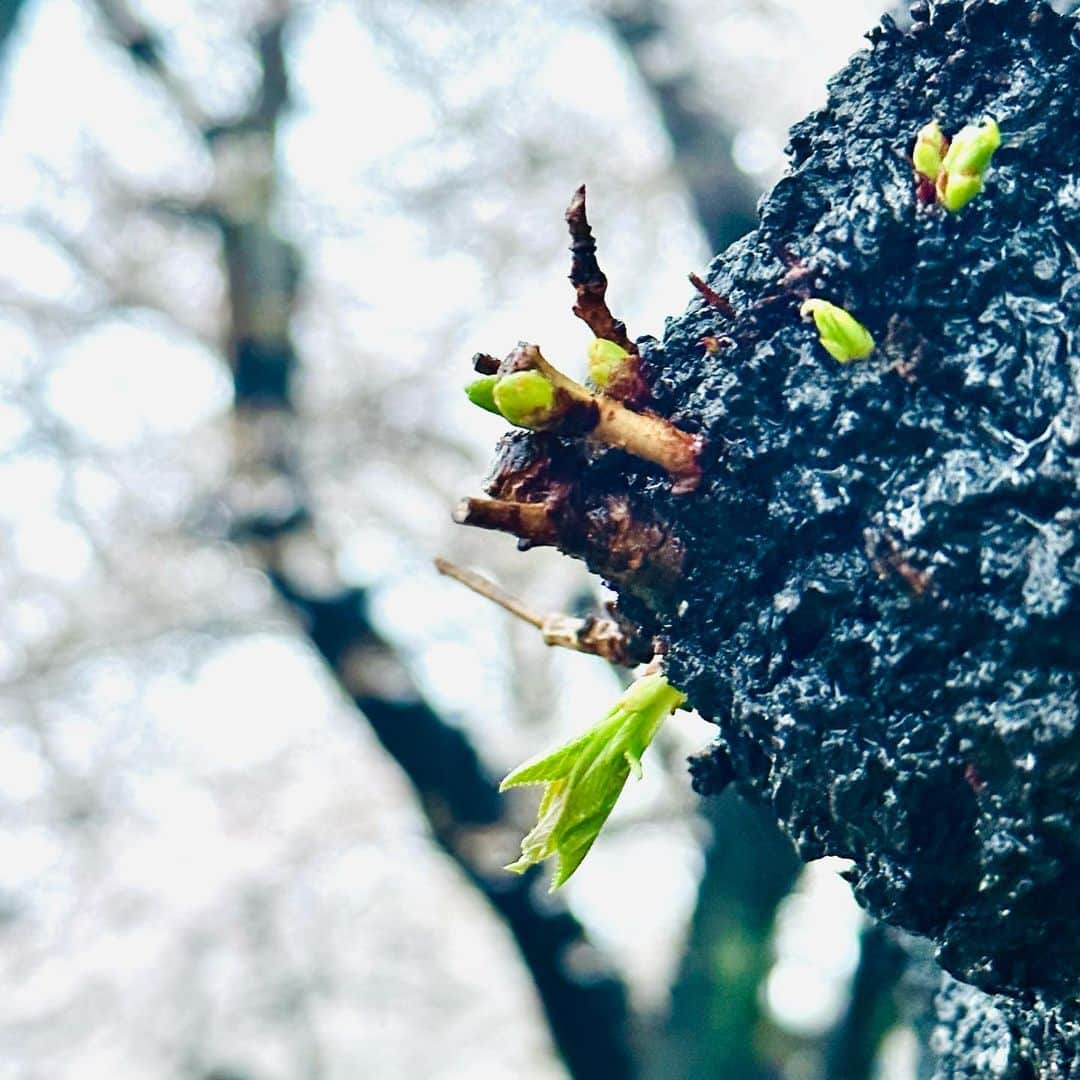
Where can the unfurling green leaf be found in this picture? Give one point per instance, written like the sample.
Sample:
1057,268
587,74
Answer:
482,392
965,164
525,398
842,335
583,779
605,359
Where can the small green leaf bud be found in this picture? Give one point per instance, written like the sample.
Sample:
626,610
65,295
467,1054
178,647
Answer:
583,779
482,392
605,360
843,337
972,148
959,191
965,164
525,398
929,150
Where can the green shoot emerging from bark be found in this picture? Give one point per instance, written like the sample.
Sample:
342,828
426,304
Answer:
525,398
929,151
965,163
482,392
530,393
583,779
606,361
843,336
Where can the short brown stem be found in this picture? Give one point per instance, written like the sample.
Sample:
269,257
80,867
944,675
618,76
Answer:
721,303
652,438
598,637
531,522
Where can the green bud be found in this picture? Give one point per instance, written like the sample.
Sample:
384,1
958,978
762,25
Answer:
965,164
583,779
525,398
972,148
605,359
959,191
843,337
482,392
929,149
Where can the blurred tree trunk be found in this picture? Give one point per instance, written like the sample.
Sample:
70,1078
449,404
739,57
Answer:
852,1048
275,519
716,1026
9,17
724,198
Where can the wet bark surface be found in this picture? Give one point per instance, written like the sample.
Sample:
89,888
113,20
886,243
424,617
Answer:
878,594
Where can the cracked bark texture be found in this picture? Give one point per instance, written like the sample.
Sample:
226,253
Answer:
879,596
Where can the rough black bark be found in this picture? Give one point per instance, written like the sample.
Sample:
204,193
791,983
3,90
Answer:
880,602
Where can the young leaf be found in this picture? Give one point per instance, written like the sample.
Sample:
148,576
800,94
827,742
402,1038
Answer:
583,779
482,392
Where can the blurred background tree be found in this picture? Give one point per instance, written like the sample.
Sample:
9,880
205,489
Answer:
249,740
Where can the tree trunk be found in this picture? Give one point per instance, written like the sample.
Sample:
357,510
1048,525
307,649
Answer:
877,590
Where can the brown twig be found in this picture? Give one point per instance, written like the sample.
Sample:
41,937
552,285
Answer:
712,297
589,280
487,588
597,637
532,523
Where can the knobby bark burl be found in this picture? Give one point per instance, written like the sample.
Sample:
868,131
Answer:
877,591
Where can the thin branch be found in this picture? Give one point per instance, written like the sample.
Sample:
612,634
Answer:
487,588
712,297
594,636
589,280
625,380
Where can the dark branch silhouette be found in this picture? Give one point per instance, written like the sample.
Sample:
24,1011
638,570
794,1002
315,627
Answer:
588,1014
